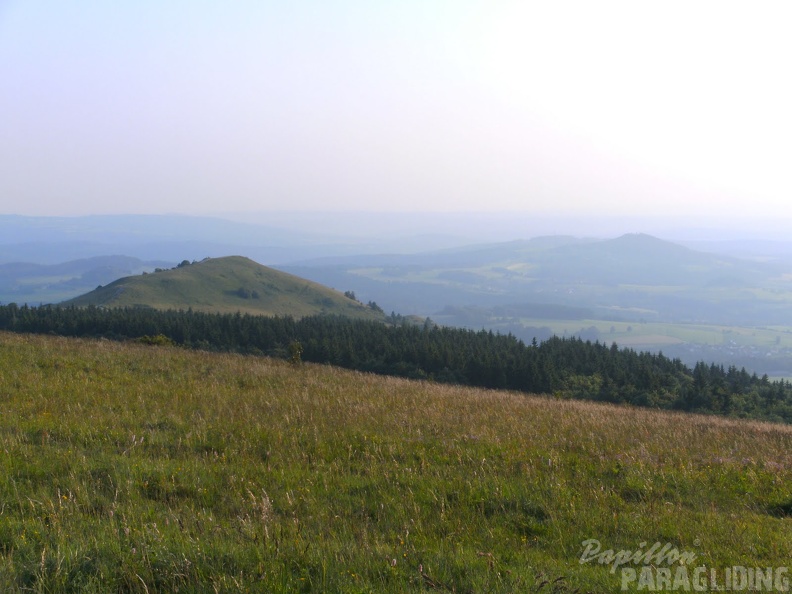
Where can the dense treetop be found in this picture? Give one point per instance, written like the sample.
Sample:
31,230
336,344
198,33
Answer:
565,368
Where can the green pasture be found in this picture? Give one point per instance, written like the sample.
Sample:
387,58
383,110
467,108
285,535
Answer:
132,468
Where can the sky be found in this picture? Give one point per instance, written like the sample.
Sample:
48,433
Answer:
667,109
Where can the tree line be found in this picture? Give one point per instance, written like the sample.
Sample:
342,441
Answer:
563,367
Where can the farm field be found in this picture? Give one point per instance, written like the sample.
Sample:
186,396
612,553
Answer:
135,468
656,334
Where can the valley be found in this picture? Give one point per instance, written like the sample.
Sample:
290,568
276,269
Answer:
698,301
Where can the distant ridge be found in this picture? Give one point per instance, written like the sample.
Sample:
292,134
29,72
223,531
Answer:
226,285
25,282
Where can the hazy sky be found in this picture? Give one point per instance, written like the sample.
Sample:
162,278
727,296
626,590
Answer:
631,108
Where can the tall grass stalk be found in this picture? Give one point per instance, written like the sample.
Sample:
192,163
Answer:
134,468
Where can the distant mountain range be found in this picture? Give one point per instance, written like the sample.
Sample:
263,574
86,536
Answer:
284,238
226,285
270,240
632,277
655,279
51,240
24,282
634,289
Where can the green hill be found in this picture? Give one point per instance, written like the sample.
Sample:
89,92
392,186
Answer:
226,285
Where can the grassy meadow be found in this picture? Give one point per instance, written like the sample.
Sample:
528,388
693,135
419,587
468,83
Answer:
132,468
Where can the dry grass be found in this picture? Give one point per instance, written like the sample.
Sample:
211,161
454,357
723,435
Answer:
134,468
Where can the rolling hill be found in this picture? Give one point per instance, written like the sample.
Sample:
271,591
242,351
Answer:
27,282
226,285
636,289
633,277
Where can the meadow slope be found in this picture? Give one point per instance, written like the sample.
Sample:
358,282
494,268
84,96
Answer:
126,467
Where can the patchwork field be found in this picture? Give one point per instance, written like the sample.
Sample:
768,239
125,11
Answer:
125,467
655,334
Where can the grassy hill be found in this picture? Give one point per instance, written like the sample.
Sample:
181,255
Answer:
226,285
151,469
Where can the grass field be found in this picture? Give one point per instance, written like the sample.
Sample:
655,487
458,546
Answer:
131,468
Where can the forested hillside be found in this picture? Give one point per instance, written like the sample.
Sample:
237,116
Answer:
566,368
